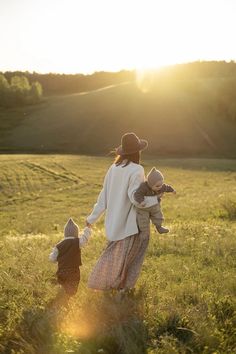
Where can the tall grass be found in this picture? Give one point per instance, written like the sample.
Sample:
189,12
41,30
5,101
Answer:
184,301
229,209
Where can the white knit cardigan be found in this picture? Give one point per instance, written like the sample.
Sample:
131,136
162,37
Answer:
117,200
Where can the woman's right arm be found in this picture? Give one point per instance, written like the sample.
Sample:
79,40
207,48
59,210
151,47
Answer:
101,204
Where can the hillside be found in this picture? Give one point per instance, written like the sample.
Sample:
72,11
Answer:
177,121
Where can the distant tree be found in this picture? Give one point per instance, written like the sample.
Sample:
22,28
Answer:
4,88
19,91
3,82
36,91
19,88
21,82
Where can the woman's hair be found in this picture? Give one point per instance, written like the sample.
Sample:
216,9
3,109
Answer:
130,158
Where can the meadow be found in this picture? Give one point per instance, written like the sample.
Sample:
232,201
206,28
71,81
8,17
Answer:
184,301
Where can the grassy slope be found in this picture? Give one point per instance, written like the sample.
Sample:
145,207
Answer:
93,123
187,287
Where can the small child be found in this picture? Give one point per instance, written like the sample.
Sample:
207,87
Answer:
68,256
154,185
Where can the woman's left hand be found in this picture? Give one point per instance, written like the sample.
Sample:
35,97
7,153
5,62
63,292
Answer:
88,224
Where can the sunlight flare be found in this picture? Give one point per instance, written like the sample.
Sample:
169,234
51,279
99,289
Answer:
83,37
77,328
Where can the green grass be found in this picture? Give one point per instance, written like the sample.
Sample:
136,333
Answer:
185,296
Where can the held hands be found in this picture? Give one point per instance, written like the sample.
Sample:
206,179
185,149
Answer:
143,204
88,224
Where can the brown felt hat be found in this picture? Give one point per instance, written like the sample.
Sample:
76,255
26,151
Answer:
130,144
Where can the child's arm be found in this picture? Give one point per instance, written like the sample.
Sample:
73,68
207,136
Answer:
166,188
139,194
53,255
83,239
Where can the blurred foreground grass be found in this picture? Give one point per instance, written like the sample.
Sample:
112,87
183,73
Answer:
185,296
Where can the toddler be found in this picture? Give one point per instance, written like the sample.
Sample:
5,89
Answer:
67,254
154,185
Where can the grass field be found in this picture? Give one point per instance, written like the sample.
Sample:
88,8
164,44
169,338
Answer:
185,296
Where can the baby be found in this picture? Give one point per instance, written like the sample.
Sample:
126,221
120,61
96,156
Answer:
154,185
67,254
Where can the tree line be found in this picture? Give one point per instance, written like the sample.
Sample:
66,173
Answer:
17,91
56,84
214,78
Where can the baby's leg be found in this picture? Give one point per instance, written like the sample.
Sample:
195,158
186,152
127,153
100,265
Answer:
156,215
157,218
143,219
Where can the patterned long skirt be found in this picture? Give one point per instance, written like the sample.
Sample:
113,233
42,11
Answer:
120,263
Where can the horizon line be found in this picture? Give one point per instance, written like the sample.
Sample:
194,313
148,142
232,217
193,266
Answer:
119,70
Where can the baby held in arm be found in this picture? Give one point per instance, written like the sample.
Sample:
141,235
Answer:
153,186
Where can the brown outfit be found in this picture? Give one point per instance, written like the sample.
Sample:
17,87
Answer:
154,212
69,261
144,215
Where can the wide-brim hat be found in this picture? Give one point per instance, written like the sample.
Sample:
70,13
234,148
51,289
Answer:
130,144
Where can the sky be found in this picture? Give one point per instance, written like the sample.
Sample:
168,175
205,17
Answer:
83,36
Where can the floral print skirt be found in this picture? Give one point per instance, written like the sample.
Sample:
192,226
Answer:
120,263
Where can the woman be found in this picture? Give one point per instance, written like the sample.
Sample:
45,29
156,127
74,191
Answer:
120,263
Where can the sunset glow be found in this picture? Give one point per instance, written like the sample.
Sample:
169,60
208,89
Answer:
85,36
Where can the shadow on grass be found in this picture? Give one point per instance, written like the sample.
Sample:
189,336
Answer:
110,322
106,323
35,333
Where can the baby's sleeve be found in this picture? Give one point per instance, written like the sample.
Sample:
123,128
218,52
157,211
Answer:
84,237
53,255
135,181
139,194
167,188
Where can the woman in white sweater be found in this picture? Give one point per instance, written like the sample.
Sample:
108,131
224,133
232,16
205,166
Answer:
120,263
